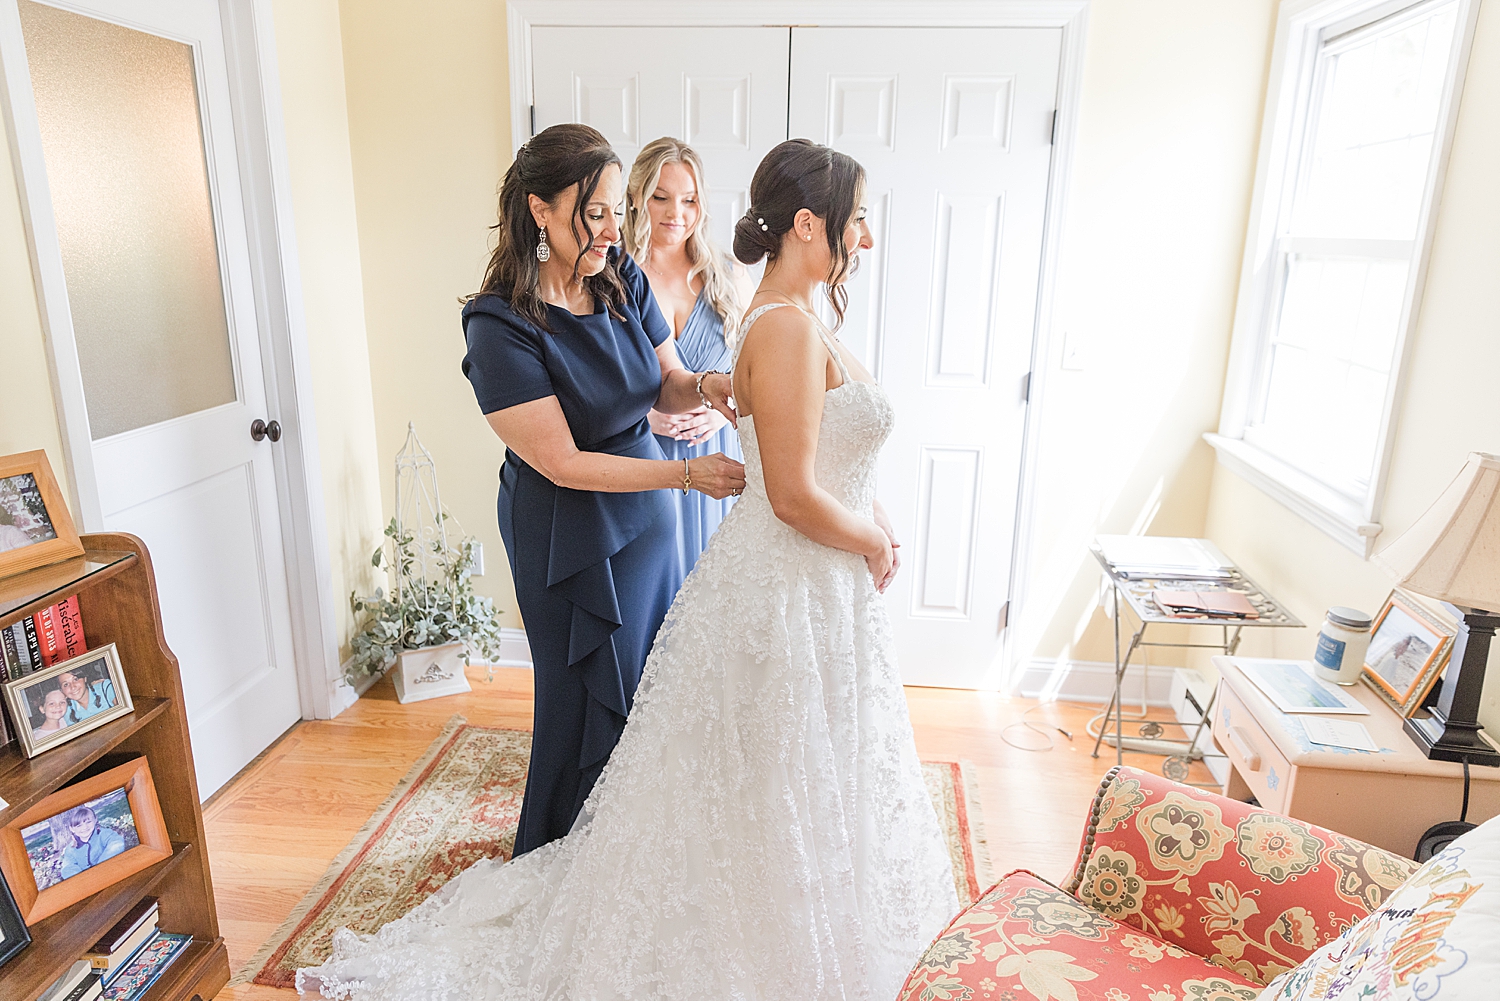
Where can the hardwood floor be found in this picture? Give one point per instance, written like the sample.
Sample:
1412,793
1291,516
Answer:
274,829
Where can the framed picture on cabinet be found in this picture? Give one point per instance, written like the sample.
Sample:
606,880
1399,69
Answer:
1409,647
13,934
56,704
35,526
83,838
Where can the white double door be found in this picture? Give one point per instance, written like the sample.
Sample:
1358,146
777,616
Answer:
954,127
129,156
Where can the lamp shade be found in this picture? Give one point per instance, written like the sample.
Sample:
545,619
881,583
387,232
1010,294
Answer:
1453,551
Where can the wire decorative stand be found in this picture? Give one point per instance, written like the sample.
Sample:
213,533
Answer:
1138,594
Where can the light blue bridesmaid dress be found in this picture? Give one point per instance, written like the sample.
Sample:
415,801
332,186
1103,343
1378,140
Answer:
702,348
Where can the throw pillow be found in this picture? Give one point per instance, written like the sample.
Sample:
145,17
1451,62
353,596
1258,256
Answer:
1435,938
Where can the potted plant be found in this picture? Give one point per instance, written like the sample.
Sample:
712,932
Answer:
432,621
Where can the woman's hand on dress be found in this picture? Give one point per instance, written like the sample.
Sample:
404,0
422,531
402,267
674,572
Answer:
717,475
718,390
884,521
882,563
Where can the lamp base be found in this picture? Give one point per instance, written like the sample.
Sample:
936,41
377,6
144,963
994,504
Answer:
1442,741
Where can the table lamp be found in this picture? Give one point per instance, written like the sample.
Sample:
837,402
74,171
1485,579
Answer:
1452,553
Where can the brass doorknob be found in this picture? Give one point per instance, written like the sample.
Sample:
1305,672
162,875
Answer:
259,430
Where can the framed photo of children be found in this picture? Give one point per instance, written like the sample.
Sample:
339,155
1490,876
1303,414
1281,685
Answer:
58,703
35,526
1409,646
83,838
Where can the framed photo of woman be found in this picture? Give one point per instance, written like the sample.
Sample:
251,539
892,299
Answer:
83,838
35,526
58,703
1409,646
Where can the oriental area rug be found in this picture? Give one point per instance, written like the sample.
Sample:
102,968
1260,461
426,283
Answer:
459,804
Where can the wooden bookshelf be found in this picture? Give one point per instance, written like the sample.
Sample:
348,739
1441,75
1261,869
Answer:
117,598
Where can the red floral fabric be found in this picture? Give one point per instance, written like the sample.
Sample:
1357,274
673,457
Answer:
1026,940
1252,891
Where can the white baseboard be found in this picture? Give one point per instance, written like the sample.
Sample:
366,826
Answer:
1092,681
514,650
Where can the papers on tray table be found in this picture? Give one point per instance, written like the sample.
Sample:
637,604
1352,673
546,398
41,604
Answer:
1163,556
1291,687
1339,733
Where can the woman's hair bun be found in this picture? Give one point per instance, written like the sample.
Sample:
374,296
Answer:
753,239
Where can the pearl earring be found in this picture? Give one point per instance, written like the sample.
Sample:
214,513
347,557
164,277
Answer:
543,252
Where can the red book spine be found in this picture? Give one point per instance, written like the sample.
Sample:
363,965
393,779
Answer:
69,621
46,637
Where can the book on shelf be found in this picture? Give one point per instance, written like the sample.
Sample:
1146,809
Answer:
54,634
76,975
92,987
125,939
146,967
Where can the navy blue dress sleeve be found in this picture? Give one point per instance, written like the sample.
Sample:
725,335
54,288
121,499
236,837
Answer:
643,301
504,363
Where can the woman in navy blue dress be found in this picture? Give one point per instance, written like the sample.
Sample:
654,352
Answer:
567,353
701,295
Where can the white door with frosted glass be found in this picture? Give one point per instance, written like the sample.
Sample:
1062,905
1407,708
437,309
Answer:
132,116
954,127
722,90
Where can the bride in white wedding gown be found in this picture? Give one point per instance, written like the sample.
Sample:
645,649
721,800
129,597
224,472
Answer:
762,830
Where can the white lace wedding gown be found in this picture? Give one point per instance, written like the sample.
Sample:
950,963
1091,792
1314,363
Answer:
762,830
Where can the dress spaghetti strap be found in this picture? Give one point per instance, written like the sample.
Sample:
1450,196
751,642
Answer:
823,335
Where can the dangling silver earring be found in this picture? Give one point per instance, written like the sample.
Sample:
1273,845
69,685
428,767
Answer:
543,252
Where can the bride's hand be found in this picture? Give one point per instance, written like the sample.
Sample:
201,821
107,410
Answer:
884,521
717,475
882,563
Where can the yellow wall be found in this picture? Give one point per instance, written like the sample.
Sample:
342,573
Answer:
309,59
1154,230
1451,405
429,125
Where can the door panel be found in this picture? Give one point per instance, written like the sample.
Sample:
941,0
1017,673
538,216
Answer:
954,131
721,89
138,140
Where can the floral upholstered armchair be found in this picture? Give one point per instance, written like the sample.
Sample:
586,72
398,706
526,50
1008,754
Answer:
1178,894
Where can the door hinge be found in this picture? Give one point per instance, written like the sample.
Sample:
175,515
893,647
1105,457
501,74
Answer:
1053,139
1004,616
1026,388
533,120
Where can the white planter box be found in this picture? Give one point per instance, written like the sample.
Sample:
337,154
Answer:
430,672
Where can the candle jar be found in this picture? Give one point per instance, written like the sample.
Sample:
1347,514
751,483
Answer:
1342,642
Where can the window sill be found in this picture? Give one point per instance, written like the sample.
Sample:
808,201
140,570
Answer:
1336,515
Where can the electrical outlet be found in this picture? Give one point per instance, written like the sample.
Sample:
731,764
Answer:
476,565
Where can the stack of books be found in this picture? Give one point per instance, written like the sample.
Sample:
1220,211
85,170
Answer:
41,640
123,964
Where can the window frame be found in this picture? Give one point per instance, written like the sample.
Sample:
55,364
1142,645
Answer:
1301,27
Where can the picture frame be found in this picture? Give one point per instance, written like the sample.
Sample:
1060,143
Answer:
1409,647
14,935
53,705
36,528
83,838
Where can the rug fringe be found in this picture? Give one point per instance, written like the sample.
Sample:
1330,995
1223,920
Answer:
982,868
310,899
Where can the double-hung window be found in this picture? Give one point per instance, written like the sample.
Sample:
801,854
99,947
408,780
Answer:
1359,114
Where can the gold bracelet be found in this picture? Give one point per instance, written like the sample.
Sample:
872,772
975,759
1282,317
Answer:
687,478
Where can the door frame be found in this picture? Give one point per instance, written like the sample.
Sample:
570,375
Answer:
1069,15
255,102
